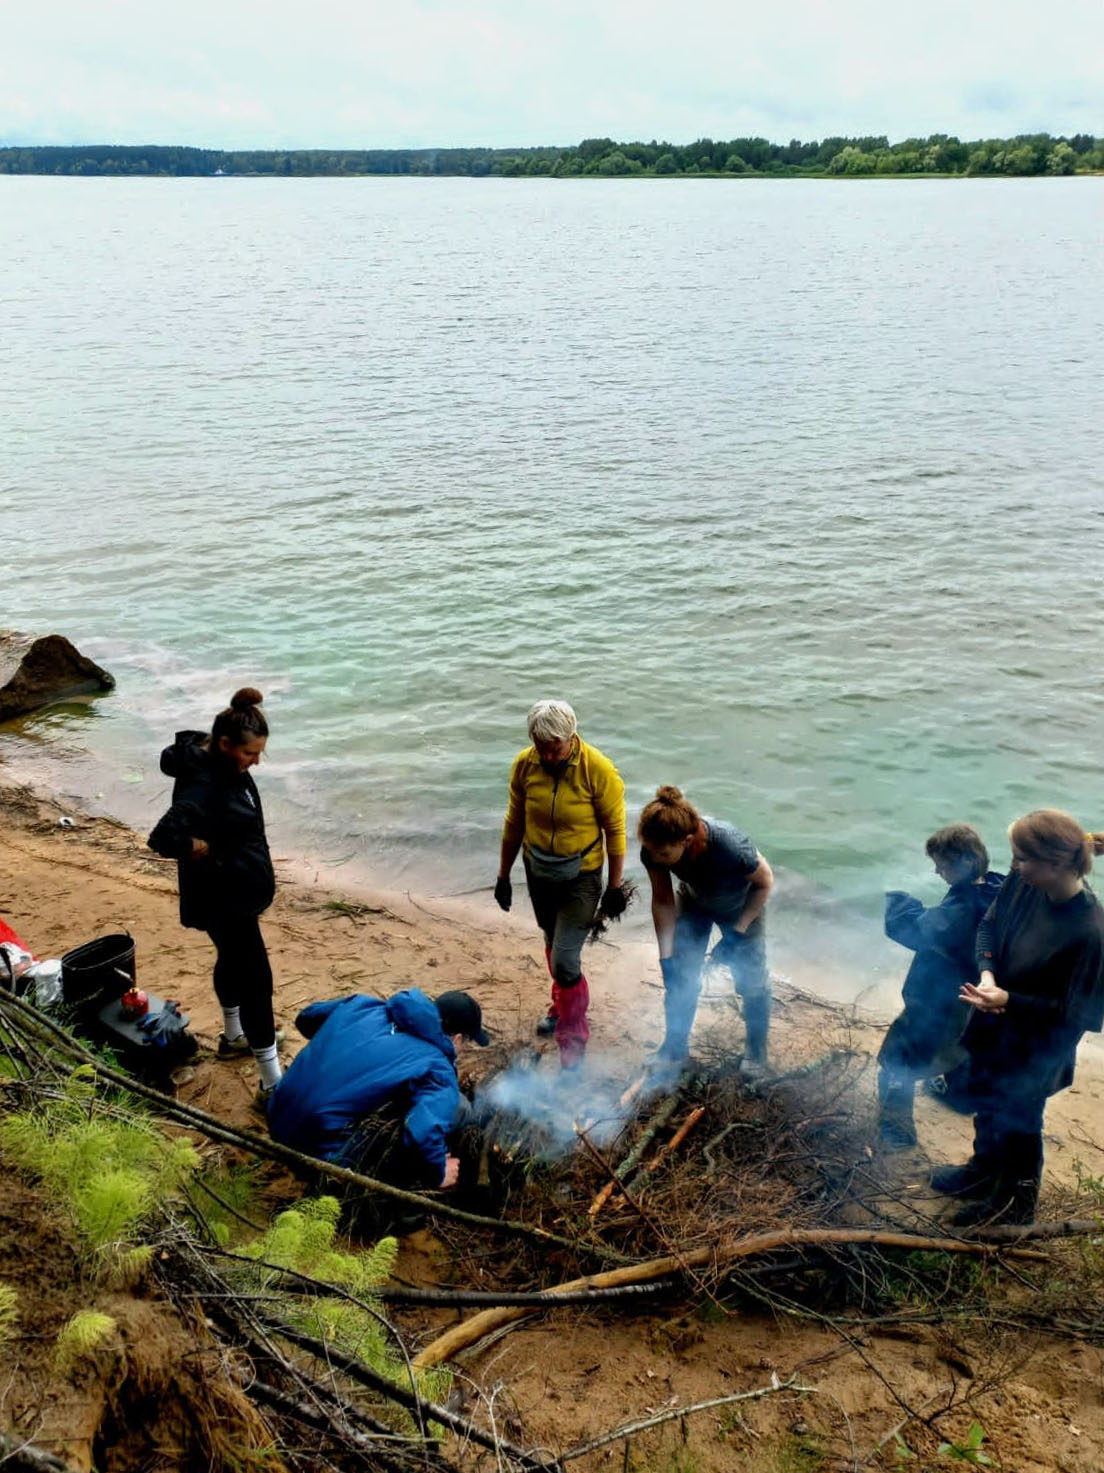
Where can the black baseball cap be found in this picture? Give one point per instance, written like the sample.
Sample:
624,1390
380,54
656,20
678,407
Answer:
460,1013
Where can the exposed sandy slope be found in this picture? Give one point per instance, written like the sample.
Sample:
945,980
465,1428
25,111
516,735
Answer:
579,1373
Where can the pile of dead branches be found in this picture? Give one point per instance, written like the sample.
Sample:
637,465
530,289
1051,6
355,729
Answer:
712,1188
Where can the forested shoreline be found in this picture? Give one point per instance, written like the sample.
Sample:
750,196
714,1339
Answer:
938,154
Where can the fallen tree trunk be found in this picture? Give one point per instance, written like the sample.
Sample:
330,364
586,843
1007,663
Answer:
469,1331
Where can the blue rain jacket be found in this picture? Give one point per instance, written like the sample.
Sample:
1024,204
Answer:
363,1054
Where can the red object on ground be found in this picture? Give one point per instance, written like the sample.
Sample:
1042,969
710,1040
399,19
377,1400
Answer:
7,934
134,1003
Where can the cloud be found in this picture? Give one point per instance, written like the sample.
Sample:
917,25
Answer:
425,72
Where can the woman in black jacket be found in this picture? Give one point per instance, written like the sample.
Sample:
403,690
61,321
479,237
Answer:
215,831
1040,956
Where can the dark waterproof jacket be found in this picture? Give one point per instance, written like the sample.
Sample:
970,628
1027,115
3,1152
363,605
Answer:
364,1054
214,802
943,937
1049,957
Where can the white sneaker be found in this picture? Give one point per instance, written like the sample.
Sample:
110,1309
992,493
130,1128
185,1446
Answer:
237,1048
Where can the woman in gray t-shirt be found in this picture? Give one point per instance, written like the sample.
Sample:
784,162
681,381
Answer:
723,881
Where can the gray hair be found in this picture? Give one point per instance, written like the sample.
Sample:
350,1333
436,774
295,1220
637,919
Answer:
551,721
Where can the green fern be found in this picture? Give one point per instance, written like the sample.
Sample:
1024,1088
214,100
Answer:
128,1267
9,1316
109,1173
108,1205
303,1238
80,1336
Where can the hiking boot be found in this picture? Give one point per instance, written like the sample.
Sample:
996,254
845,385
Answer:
237,1048
896,1134
969,1180
665,1070
896,1126
754,1067
547,1026
259,1105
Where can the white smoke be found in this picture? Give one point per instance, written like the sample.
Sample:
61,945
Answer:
558,1104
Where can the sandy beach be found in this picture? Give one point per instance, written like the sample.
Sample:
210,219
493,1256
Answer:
65,883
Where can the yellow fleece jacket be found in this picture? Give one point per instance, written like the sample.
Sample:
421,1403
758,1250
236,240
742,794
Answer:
562,814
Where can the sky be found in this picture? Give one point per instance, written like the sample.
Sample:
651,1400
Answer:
425,73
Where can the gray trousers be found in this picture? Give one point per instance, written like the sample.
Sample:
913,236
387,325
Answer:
565,912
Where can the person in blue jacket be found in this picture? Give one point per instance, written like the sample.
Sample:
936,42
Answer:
364,1054
942,936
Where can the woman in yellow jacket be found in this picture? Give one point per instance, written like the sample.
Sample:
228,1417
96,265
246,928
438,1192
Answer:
565,799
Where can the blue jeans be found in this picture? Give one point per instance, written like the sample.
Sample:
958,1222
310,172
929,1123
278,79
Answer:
746,959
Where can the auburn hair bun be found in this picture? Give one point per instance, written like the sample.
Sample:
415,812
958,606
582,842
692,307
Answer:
669,795
242,699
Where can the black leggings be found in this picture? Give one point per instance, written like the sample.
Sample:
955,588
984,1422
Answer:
243,977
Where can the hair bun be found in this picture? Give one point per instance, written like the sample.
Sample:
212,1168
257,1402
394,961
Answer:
242,699
669,795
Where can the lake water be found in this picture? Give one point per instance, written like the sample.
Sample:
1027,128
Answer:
793,488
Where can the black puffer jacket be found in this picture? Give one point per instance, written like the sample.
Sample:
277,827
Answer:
214,802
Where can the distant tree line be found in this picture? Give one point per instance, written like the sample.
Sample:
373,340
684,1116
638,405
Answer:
941,153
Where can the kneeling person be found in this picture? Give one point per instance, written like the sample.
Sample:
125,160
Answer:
366,1054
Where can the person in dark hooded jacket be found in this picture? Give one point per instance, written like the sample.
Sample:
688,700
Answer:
1040,959
216,833
942,936
366,1054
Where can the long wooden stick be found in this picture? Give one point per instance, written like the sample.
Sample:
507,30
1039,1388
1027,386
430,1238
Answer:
629,1428
469,1331
633,1090
357,1370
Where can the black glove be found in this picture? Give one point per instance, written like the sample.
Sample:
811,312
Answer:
504,892
726,953
614,902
